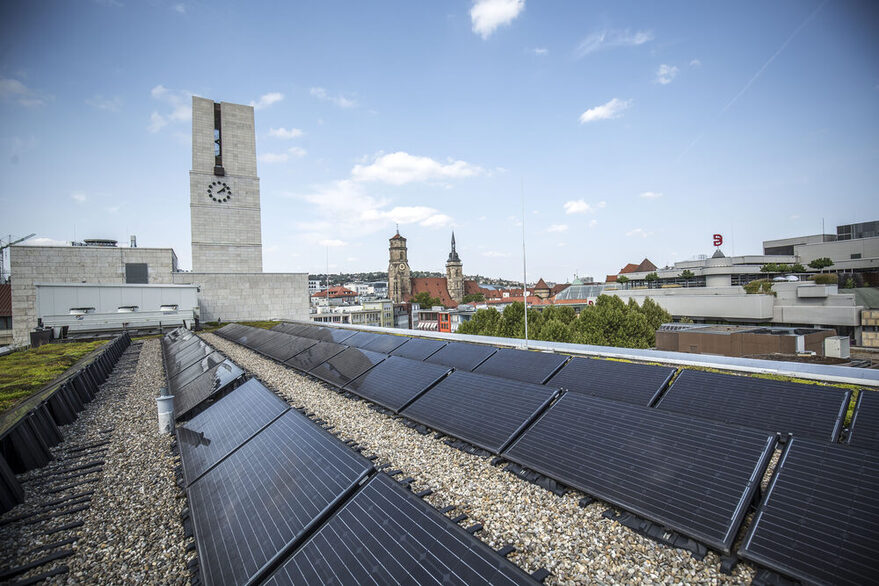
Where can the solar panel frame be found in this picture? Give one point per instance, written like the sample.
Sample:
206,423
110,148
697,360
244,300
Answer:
347,365
219,430
692,476
485,411
528,366
418,349
231,331
293,464
195,370
397,382
205,386
360,339
325,334
386,535
643,383
254,338
864,429
462,355
292,329
314,355
819,520
386,343
806,410
188,356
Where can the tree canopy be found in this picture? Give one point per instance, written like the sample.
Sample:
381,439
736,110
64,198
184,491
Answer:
819,264
610,322
425,300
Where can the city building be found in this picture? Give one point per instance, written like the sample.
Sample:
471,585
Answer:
337,295
5,314
744,341
226,239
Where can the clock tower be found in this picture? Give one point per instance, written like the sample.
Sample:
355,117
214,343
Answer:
399,278
224,189
455,274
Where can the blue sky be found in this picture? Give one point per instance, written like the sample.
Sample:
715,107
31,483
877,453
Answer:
634,129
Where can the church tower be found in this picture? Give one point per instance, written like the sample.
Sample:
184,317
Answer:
399,279
455,274
224,189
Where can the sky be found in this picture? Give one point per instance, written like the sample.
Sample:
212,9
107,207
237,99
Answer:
614,130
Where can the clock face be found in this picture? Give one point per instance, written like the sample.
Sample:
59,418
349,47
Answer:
219,191
402,266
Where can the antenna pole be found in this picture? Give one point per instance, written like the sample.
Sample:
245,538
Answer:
524,269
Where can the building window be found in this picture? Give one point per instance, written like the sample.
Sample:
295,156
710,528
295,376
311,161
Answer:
218,138
136,273
856,255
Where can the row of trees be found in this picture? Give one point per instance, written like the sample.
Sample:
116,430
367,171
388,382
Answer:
819,264
610,322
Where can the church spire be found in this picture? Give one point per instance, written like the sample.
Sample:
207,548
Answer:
453,255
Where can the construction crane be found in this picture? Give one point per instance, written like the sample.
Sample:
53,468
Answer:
3,248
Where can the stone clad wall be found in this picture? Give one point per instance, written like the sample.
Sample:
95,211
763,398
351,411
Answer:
256,296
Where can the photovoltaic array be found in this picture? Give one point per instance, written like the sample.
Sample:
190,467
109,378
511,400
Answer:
522,365
396,382
629,382
346,366
461,356
864,431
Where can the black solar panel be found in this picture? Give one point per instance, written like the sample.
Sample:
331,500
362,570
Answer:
865,423
694,477
269,337
622,381
523,365
819,520
806,410
461,356
195,370
485,411
188,356
253,338
286,347
346,366
314,355
328,334
218,430
260,499
180,344
206,385
361,339
386,343
418,348
387,535
292,329
231,331
396,382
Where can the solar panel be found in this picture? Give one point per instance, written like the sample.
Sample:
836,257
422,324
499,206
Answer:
622,381
361,339
819,520
346,366
314,355
694,477
171,348
214,433
292,329
268,337
204,386
387,535
865,422
806,410
231,331
260,500
188,356
418,348
253,338
485,411
385,343
286,347
523,365
396,382
461,355
195,370
327,334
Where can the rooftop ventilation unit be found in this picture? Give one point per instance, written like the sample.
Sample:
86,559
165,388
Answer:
97,242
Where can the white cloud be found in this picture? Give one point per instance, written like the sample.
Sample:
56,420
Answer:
665,74
332,243
650,195
540,51
580,207
608,39
593,223
42,241
180,8
285,133
608,111
558,228
487,15
340,100
639,232
495,254
400,168
16,91
78,197
297,151
98,101
695,63
179,102
267,100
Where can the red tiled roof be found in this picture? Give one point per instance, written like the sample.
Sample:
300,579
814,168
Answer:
532,300
336,292
629,268
397,237
472,288
435,287
558,288
6,300
610,279
541,284
645,267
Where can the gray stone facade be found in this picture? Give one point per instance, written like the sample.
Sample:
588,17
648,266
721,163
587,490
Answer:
224,208
255,296
399,276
